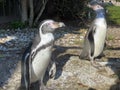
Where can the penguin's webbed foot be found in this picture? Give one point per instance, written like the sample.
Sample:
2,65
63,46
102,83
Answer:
95,64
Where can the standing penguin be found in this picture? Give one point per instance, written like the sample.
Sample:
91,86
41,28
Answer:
37,56
95,37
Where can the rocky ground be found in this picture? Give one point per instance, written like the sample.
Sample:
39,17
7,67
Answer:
72,73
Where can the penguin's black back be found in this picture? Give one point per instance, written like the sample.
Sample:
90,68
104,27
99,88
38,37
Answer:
25,67
27,50
36,41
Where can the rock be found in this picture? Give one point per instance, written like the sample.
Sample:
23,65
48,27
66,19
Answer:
72,73
109,71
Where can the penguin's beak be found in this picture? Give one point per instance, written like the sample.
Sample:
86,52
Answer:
56,25
61,24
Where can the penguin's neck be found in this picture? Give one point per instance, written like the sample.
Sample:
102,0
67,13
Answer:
46,38
100,18
100,13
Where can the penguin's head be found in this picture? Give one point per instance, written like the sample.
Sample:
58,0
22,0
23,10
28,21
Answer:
93,2
49,26
96,7
99,10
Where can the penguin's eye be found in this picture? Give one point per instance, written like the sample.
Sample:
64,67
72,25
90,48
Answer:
48,23
99,7
52,24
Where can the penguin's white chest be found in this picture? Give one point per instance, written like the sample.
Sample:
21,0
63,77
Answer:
40,63
99,37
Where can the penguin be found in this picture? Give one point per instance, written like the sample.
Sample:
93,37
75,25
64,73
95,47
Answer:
37,56
94,40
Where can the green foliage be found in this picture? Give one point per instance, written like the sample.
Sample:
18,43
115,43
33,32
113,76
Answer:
17,24
118,0
113,15
110,37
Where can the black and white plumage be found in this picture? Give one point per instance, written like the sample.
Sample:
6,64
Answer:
37,56
95,37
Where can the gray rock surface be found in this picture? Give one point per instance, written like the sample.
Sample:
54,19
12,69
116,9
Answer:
72,73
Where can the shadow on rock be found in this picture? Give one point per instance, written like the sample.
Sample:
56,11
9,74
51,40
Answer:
61,57
114,64
7,69
115,86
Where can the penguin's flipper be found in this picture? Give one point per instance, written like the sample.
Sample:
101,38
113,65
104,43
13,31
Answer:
52,68
84,53
88,43
25,68
91,39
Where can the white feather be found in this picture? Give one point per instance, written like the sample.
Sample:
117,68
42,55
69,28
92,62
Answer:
99,36
40,64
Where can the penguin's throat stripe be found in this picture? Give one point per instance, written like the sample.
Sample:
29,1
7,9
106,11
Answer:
40,48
